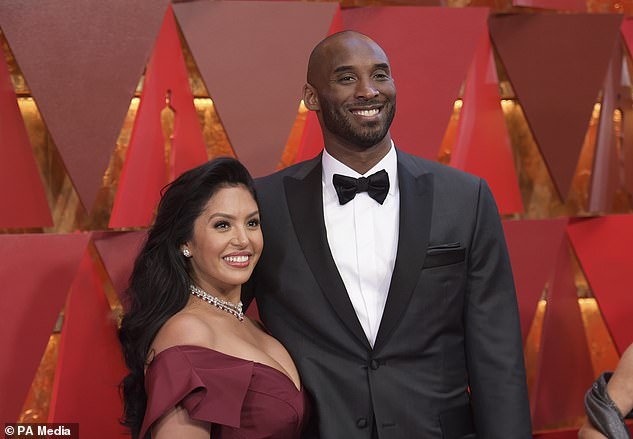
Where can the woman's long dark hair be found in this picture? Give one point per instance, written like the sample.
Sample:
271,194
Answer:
159,284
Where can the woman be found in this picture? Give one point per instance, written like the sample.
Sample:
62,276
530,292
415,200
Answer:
198,366
609,401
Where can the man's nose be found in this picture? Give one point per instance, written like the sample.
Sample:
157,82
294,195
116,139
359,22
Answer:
366,89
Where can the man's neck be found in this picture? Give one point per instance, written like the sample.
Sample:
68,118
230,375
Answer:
359,159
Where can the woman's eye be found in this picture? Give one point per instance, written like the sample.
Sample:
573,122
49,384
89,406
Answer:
221,225
253,222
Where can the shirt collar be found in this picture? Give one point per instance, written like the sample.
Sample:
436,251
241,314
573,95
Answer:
389,163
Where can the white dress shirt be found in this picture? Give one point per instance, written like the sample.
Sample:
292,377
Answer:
363,238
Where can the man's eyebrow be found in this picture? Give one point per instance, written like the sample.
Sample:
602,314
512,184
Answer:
343,69
340,69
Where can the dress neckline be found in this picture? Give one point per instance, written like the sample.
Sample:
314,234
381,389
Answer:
233,357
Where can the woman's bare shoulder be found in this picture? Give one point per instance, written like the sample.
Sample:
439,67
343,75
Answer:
184,328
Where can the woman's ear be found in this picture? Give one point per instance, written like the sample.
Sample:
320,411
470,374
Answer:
184,249
310,98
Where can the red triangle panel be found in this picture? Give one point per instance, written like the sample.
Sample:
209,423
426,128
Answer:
542,55
253,58
606,172
146,170
603,246
563,5
417,41
482,145
82,60
627,33
118,252
21,192
533,246
312,139
35,273
564,371
90,363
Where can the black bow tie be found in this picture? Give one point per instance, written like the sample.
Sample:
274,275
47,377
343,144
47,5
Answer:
376,186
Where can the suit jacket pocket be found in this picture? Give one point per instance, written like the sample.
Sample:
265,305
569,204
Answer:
457,423
445,254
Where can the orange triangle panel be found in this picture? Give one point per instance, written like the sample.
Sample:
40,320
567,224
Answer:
564,371
533,246
542,55
82,60
482,145
147,169
603,246
118,252
417,41
21,192
36,272
90,363
253,57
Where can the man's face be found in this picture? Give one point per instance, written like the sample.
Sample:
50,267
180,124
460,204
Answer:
357,96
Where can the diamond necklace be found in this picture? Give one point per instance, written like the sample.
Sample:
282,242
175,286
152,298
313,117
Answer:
226,306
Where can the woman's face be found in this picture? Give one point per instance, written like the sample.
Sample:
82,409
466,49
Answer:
227,241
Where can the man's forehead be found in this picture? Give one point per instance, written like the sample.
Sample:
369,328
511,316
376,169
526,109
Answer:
354,52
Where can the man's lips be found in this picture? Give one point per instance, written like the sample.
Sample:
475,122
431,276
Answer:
366,111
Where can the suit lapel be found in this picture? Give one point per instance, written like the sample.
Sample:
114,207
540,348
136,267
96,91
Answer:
416,201
305,203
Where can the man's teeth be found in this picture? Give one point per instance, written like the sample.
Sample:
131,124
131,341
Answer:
366,112
237,259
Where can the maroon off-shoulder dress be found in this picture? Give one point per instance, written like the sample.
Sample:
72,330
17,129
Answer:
242,399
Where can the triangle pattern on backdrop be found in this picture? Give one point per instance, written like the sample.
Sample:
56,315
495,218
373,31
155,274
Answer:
627,33
603,246
90,363
37,270
605,173
118,250
543,55
147,169
82,60
253,57
482,144
311,142
533,246
21,190
558,395
562,5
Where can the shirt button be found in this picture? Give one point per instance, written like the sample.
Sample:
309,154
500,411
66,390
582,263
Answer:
361,422
374,364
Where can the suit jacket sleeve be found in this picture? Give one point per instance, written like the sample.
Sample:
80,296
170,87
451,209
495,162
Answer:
494,347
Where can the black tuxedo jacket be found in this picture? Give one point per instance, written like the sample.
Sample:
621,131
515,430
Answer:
448,358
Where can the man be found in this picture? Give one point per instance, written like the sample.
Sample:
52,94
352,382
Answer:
397,302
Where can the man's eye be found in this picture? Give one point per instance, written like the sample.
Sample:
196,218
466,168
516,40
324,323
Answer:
221,225
381,76
347,78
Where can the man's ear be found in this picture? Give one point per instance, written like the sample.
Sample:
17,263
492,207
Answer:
310,98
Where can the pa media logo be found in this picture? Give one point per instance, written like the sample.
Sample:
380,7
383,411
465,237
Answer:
41,430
